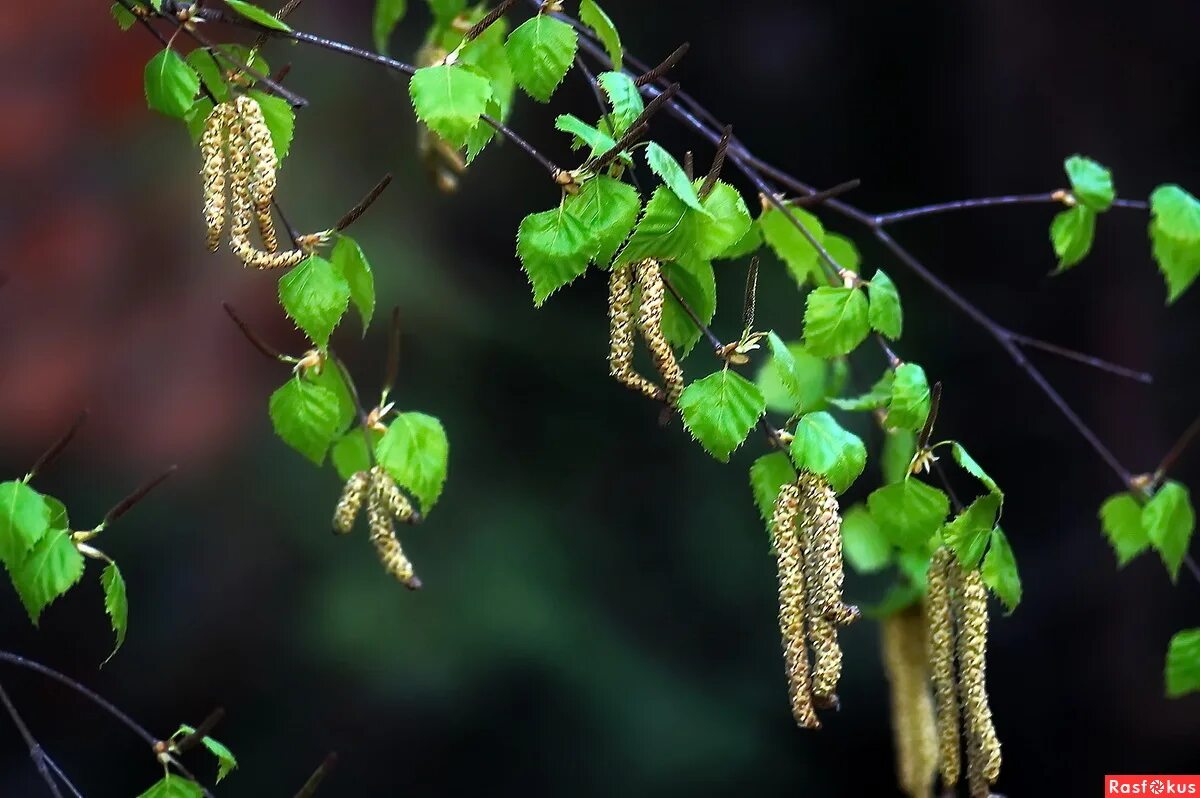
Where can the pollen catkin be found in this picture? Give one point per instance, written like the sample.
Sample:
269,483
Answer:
212,151
940,644
397,503
266,166
983,746
620,333
350,502
649,276
914,730
383,534
790,564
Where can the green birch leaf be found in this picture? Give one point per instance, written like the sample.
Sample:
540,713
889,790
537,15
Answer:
1071,233
226,761
671,173
280,118
555,247
196,117
348,258
909,404
835,320
727,220
748,244
315,295
257,15
306,416
1000,571
24,520
768,474
899,446
1168,520
909,512
540,52
170,84
585,134
865,546
790,244
350,454
694,279
51,568
886,315
125,20
388,14
670,230
844,252
1121,520
592,15
624,97
211,75
450,100
172,786
416,452
1091,183
1176,212
1178,260
968,534
115,603
720,410
878,397
331,379
968,464
1183,663
824,447
609,209
793,382
444,11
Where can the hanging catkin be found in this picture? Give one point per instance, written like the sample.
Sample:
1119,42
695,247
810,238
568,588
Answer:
983,747
350,502
620,333
212,151
649,276
266,165
792,608
940,643
914,730
383,533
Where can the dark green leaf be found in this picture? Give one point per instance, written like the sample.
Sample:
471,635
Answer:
694,280
350,454
768,474
824,447
720,410
388,14
124,19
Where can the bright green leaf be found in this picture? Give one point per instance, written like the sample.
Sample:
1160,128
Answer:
585,134
315,295
1168,520
170,84
1091,183
388,14
416,452
748,244
1176,212
697,284
258,15
671,173
1000,571
450,100
835,320
843,251
1178,260
865,546
670,230
768,474
1071,233
349,260
226,761
350,454
444,11
1121,519
909,404
540,52
306,416
210,72
196,118
964,459
624,97
968,533
331,379
172,786
555,247
824,447
1183,663
125,20
24,520
792,380
115,603
792,247
886,315
728,219
899,446
609,209
50,569
280,118
594,17
909,512
874,399
720,410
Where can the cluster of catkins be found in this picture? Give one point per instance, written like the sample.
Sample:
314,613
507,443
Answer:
385,503
806,529
648,276
240,160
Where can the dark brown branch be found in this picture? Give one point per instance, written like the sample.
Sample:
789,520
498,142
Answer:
358,210
128,503
488,20
653,75
58,446
258,343
714,172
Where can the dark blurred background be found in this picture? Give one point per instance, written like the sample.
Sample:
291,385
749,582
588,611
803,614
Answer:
599,610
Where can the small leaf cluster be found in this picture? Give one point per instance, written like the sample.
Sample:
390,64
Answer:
173,785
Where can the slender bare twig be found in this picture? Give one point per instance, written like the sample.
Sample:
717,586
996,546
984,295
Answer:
57,447
62,777
884,219
668,63
258,343
128,503
358,210
1177,450
487,20
35,749
314,781
189,741
1080,357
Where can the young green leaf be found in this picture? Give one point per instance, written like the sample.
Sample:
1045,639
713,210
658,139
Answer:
670,230
609,209
792,380
1000,571
209,69
540,52
24,520
1071,233
280,118
874,399
624,97
865,546
728,219
909,404
330,378
1176,212
968,534
348,258
886,315
450,100
968,464
768,474
1091,183
226,761
835,320
115,603
1175,236
909,512
592,15
1121,520
50,569
1183,663
306,416
748,244
315,295
845,253
1168,520
824,447
258,15
720,410
196,117
416,452
172,786
555,247
120,13
695,281
584,134
170,84
388,14
350,454
671,173
790,244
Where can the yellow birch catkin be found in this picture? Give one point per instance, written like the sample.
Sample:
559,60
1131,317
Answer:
790,564
212,151
940,642
821,545
983,747
265,168
620,333
383,534
649,276
397,503
914,730
350,502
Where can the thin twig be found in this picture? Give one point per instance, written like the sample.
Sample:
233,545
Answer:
258,343
668,63
716,342
884,219
1181,445
58,446
1080,357
62,777
314,781
488,20
189,741
35,748
128,503
358,210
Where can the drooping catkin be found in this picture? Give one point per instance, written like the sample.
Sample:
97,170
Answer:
212,152
649,276
266,166
792,607
397,503
983,746
620,333
914,730
350,502
383,533
940,645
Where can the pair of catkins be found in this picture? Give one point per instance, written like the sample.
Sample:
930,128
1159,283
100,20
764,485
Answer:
385,503
647,275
